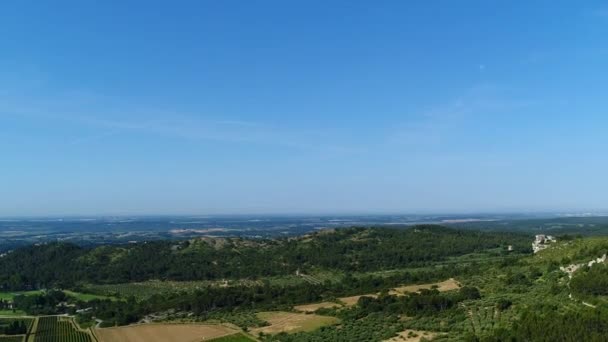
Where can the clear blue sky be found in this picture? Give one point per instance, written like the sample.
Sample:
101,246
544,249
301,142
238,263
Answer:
203,107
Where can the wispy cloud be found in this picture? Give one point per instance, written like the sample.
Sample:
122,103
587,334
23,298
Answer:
600,12
437,124
117,121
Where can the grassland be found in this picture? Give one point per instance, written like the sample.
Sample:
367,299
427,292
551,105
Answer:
85,297
11,313
13,294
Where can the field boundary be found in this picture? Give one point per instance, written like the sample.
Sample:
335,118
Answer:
31,336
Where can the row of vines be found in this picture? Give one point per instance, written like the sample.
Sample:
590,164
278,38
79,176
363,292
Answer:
59,329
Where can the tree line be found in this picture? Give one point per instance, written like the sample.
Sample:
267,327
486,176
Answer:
64,265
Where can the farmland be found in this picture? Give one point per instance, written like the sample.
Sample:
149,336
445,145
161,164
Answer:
288,322
10,295
447,285
163,332
58,329
316,306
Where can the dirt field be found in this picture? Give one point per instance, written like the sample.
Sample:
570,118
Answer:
292,322
447,285
412,336
316,306
350,301
163,333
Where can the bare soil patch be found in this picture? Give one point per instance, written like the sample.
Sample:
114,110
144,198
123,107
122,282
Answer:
163,333
316,306
412,336
290,322
351,301
447,285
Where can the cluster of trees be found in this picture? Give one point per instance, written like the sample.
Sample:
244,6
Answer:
546,324
210,302
427,302
61,265
378,319
374,327
47,303
207,303
5,304
591,281
14,327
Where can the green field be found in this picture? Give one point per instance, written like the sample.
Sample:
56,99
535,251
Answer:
11,295
11,313
85,297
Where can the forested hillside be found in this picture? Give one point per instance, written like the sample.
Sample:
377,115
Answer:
376,282
348,250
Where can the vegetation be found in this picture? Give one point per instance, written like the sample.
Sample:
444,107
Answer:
11,338
348,250
502,295
45,303
15,326
56,329
233,338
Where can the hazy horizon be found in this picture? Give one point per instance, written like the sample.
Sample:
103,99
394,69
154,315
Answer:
312,107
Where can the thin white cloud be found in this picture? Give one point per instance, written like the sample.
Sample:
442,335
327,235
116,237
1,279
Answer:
600,12
192,127
436,125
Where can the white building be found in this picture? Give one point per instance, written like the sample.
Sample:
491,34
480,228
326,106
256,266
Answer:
542,241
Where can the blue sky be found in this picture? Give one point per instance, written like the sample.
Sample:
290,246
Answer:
217,107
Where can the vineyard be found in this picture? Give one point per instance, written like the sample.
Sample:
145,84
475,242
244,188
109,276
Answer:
59,329
11,338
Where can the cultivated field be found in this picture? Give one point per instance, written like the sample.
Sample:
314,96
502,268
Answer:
163,333
58,329
316,306
292,322
447,285
351,301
